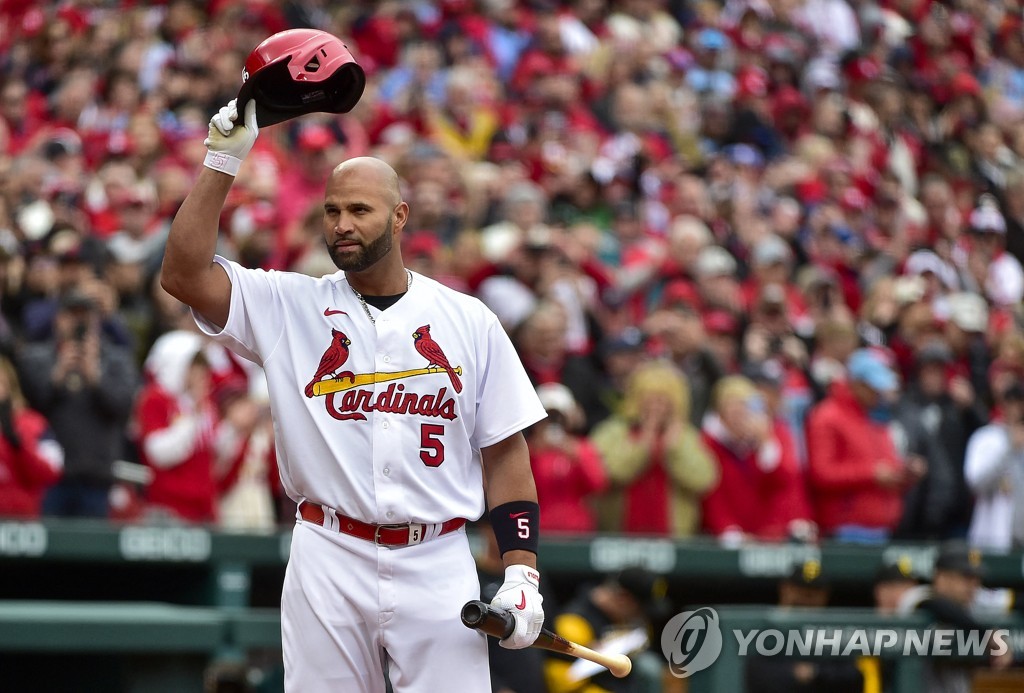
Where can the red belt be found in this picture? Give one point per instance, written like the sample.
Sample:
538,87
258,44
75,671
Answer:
381,535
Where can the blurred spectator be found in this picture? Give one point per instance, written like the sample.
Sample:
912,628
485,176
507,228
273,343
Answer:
947,602
567,468
857,477
540,340
75,260
994,470
892,582
805,588
771,265
300,186
83,384
631,601
138,231
722,330
986,267
894,585
658,466
787,411
510,289
246,462
31,460
1013,211
834,341
177,428
682,334
601,393
719,287
966,332
934,418
524,210
705,76
127,273
464,123
770,333
760,490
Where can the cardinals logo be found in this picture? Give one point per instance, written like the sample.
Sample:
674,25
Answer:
333,359
355,400
431,351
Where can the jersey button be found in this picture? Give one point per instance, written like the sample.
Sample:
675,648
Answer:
387,471
385,425
387,359
389,514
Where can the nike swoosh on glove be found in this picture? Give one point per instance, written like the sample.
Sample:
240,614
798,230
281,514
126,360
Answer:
229,141
519,596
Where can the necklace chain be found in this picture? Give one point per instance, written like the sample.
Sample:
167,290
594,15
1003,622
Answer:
362,301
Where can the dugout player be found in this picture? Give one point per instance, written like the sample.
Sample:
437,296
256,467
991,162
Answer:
395,402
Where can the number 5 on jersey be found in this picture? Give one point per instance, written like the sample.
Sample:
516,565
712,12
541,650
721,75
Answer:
431,445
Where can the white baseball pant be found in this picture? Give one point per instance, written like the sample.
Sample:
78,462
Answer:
348,606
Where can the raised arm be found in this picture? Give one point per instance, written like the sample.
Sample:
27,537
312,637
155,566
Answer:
189,272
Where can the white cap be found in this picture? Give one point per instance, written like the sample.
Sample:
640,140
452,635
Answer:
557,397
715,261
968,311
771,249
987,217
921,261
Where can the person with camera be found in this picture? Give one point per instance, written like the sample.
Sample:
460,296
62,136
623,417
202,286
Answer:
83,383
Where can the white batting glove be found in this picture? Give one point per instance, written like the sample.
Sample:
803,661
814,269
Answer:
519,596
229,141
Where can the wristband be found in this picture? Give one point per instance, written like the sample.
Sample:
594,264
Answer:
225,163
515,526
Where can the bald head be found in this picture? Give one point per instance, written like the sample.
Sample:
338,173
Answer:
374,171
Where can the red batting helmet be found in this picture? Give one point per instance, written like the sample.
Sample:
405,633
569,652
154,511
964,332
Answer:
300,71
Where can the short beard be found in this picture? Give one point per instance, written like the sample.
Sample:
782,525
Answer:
368,255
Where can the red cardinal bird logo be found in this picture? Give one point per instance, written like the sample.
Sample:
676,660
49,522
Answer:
431,351
333,359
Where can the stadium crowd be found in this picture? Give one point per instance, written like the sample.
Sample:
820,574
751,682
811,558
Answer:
762,258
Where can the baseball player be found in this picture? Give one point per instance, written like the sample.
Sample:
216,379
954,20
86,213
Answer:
398,407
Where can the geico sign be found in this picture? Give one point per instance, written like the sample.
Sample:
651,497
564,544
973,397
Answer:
771,561
164,544
609,553
22,539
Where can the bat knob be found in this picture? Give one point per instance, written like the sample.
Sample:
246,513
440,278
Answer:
486,618
473,614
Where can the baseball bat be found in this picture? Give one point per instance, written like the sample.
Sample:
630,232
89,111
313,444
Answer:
500,624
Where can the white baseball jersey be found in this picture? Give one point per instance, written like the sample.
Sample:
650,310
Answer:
385,421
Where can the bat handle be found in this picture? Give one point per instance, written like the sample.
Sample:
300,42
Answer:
474,613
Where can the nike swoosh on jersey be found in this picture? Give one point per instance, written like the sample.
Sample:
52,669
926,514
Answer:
330,311
515,515
522,602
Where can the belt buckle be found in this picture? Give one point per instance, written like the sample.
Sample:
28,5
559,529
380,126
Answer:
378,528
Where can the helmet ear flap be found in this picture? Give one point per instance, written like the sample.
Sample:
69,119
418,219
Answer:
300,71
